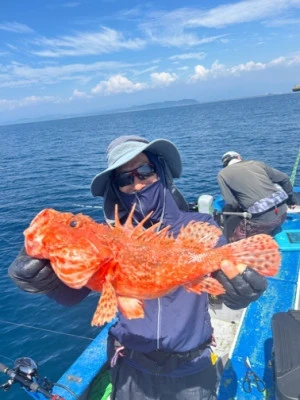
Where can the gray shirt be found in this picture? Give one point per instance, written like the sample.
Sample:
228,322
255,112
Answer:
245,182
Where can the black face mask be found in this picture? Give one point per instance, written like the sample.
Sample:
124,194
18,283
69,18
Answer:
149,199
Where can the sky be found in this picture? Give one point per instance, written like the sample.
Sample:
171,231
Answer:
67,58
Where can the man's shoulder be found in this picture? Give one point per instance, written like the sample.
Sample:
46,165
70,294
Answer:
221,172
254,162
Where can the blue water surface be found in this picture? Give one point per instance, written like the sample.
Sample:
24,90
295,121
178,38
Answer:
51,164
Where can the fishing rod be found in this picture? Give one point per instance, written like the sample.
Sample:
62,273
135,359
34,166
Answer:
25,373
294,172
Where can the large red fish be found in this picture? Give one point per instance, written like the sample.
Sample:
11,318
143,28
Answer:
128,264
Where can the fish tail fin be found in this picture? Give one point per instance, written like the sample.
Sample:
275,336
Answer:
195,233
259,252
107,305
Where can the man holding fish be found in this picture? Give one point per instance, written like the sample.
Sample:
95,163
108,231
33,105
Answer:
165,349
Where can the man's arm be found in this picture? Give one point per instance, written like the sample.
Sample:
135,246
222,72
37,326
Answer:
284,181
227,193
280,178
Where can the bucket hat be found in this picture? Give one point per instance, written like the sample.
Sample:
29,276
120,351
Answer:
125,148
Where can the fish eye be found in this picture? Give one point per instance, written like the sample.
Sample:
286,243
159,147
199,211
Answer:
73,223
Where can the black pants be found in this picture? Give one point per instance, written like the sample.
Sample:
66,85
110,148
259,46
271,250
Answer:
267,223
130,383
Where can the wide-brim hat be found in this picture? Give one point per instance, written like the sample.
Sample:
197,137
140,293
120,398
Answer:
125,148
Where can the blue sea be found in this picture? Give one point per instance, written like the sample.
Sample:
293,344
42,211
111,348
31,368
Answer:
51,164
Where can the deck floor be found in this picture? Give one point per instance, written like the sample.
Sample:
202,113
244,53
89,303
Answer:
226,323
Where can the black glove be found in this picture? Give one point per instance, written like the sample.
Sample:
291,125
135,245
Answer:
33,275
241,290
291,201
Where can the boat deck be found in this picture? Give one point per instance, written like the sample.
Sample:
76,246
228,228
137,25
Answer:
254,332
226,323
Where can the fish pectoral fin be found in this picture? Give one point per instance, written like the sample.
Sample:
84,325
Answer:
107,305
207,284
130,307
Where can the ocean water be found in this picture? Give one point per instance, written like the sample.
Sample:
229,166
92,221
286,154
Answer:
51,164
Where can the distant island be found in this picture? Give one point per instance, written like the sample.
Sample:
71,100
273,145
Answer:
143,107
162,104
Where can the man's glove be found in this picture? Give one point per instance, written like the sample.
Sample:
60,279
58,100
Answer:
241,290
291,201
33,275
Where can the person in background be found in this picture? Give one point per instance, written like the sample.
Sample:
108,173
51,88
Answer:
257,188
166,355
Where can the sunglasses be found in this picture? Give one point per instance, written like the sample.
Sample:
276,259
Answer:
127,178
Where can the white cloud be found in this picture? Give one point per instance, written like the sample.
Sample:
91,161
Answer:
180,27
200,73
8,105
117,84
144,71
217,70
77,94
19,75
163,78
282,22
15,27
188,56
176,37
120,84
90,43
228,14
247,67
288,61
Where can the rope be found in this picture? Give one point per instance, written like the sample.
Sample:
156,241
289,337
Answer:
294,172
45,330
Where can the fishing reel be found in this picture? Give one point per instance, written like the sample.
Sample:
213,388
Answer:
25,368
25,372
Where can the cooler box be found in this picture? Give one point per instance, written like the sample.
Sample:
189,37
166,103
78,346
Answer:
286,342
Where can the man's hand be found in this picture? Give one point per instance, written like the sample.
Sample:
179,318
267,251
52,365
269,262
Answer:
241,290
291,201
33,275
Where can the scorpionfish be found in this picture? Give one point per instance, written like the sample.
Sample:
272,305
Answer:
129,264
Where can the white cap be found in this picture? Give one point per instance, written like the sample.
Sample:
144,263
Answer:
228,156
